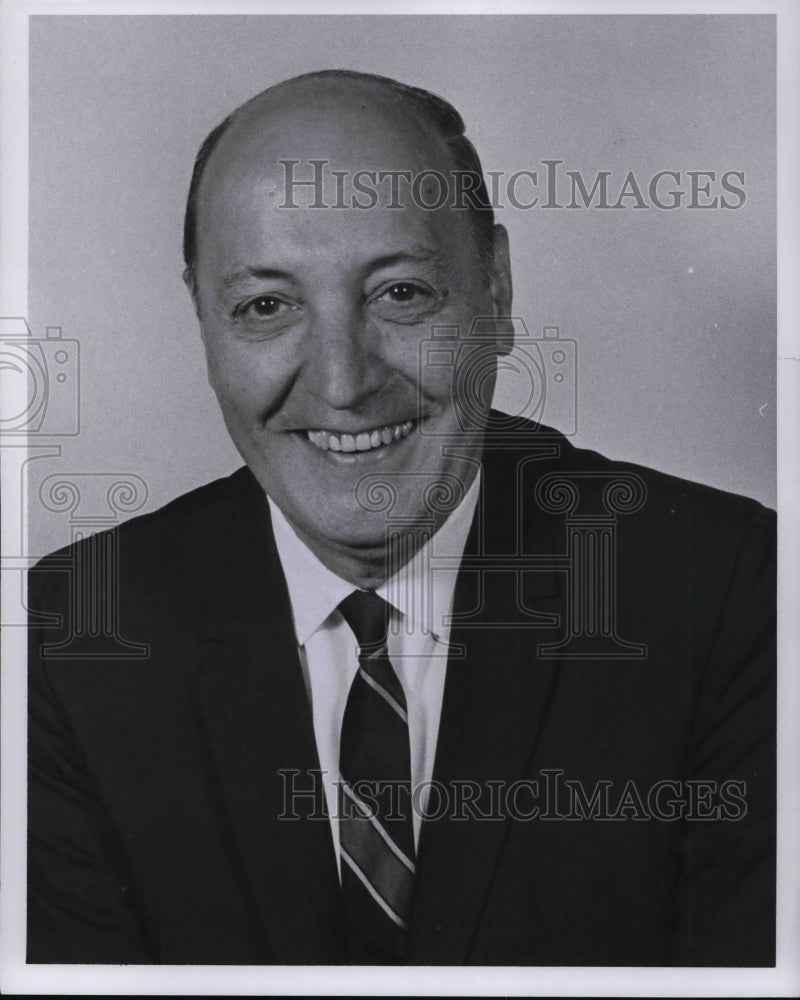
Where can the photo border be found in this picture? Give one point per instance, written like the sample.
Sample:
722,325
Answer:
784,980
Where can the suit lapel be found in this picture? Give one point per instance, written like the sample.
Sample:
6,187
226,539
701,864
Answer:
495,705
253,707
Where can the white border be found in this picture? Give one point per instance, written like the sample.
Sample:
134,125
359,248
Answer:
16,977
13,302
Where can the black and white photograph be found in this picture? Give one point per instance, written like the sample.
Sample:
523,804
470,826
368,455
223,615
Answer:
400,485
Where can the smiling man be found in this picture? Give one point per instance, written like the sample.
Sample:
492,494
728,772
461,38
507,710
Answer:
423,683
313,319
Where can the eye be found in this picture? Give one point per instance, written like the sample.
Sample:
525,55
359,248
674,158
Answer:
405,301
403,292
266,314
266,306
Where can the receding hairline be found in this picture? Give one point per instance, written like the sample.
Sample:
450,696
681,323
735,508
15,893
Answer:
270,110
327,86
328,82
429,114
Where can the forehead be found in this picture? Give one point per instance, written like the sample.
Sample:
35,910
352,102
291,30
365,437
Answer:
350,124
250,180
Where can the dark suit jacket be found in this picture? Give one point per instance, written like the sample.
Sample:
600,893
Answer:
157,808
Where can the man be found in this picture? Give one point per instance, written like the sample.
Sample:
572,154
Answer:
424,684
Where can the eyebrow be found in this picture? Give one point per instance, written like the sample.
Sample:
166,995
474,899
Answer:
236,277
421,255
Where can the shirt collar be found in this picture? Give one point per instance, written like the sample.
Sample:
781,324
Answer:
421,591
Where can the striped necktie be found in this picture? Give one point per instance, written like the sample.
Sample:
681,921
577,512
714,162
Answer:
375,828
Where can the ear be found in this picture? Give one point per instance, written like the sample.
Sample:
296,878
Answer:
500,289
191,285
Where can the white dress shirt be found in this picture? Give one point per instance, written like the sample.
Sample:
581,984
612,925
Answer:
420,596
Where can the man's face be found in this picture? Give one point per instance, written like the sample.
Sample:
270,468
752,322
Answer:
314,320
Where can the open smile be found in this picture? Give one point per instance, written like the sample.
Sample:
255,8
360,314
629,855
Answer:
366,440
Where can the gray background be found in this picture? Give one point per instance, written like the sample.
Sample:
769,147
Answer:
673,311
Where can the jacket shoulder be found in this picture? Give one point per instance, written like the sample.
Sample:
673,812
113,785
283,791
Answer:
157,555
197,508
661,490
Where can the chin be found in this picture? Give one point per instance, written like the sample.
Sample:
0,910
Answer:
350,530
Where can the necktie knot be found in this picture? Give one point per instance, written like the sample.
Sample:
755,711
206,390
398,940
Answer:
367,614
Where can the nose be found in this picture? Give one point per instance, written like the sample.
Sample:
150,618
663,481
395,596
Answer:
344,363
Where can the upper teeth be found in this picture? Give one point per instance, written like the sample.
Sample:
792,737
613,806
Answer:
364,441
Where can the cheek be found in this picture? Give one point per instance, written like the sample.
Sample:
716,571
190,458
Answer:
429,383
246,377
437,382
